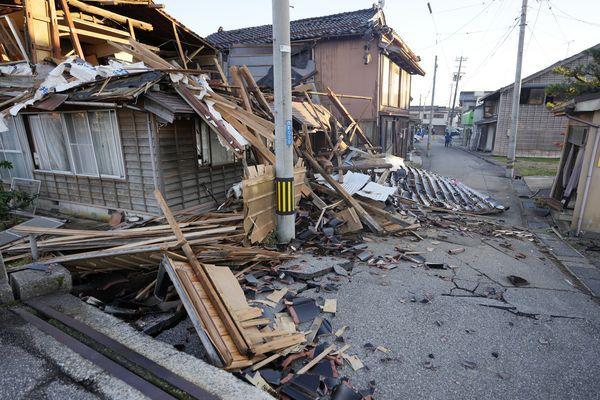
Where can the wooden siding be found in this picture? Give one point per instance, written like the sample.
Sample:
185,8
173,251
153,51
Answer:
134,193
183,182
341,66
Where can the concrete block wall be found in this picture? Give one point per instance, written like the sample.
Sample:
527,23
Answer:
539,131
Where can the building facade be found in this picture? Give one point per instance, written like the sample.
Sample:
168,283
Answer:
540,133
439,115
353,53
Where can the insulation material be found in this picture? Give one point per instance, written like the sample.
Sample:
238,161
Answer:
376,191
353,181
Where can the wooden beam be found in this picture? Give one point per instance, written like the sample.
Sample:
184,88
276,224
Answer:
342,109
253,87
352,202
220,303
240,90
56,51
72,30
109,14
179,47
222,74
131,29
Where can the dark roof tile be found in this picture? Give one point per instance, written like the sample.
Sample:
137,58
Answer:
342,24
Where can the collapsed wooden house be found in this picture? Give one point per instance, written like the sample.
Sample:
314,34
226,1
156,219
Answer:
106,144
36,30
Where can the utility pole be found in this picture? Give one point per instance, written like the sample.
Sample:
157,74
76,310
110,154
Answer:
284,136
457,79
435,65
514,120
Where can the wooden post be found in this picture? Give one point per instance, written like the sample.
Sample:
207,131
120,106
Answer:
56,51
131,29
240,90
179,47
72,30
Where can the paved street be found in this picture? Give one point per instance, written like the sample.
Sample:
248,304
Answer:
467,332
28,369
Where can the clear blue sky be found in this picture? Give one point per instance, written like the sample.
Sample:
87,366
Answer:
480,30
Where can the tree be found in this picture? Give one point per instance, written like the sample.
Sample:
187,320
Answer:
580,79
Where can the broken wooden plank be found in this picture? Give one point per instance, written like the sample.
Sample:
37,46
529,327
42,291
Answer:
316,360
219,302
352,202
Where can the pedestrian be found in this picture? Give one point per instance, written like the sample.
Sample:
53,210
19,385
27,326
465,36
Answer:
447,139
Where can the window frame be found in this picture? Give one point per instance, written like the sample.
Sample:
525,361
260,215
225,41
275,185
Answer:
23,146
69,145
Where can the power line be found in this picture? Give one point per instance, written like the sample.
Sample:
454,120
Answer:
533,27
569,16
497,47
557,23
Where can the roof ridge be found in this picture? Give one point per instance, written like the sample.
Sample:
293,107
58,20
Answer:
375,10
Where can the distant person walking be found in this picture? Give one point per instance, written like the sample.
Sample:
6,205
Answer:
447,139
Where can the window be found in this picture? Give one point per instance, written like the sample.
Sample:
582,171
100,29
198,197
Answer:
533,96
210,150
438,115
395,85
81,143
12,151
385,82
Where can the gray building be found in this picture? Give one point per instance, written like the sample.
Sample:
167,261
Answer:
440,116
540,133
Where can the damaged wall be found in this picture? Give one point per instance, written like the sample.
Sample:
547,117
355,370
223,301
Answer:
134,192
340,63
184,182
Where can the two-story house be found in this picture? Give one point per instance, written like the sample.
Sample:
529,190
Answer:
540,133
354,53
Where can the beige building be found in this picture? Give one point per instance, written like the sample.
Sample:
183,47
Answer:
577,183
354,53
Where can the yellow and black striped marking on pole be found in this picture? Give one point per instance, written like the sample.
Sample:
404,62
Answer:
285,196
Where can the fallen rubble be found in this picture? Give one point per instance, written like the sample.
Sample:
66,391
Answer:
221,266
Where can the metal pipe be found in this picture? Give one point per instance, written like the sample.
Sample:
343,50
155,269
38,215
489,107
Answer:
514,119
284,135
34,248
588,181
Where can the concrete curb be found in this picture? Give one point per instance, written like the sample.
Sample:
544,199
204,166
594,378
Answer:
576,264
214,380
29,283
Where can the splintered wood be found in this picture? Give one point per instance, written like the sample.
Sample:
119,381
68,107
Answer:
208,322
260,199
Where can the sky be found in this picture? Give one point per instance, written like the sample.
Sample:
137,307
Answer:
485,32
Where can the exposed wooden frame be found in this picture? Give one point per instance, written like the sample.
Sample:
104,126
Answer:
179,46
72,30
110,15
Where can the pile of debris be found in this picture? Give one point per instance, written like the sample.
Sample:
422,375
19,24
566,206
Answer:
217,264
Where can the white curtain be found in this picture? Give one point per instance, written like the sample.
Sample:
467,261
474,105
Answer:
50,145
81,143
105,142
